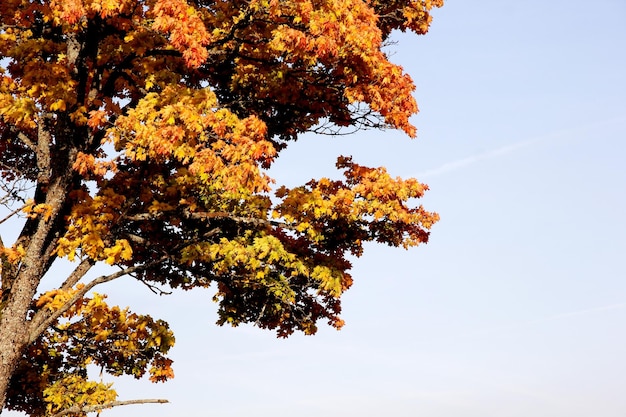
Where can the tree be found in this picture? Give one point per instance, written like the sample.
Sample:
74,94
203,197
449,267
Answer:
137,133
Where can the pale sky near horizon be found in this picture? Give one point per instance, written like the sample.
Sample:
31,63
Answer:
517,305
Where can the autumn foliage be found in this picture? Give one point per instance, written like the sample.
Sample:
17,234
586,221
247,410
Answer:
138,134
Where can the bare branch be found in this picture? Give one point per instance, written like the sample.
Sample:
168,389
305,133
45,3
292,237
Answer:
15,186
153,288
92,408
144,216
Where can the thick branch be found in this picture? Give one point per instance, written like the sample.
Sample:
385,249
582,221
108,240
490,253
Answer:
26,141
77,274
44,141
240,219
91,408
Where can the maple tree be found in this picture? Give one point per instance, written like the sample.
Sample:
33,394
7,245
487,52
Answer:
138,133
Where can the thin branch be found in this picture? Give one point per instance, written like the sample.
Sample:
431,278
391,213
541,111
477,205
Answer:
91,408
13,213
153,288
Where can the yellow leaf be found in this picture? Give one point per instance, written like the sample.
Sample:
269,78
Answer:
58,105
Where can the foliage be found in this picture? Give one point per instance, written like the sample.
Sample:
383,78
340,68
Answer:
52,374
137,133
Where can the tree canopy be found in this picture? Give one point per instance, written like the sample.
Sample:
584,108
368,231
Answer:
138,134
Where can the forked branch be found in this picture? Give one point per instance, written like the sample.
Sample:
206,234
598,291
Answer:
40,323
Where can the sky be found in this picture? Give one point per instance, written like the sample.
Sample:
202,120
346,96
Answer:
517,305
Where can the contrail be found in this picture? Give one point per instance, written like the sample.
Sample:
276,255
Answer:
507,149
462,163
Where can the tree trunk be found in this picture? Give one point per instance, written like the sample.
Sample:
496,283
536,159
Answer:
37,238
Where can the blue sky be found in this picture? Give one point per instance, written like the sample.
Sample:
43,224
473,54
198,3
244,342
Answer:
517,306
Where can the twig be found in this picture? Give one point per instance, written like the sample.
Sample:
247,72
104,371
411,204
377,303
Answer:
156,290
13,213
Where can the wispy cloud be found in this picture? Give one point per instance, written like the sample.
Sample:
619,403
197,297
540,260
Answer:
513,147
470,160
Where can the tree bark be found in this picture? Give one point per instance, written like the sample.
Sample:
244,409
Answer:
14,331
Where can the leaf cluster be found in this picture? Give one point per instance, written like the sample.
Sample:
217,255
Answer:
52,374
